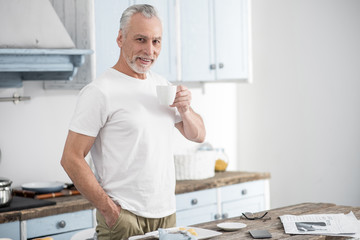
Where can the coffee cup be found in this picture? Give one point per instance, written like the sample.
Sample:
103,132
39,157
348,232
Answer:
166,94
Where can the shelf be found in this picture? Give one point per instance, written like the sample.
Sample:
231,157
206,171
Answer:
17,65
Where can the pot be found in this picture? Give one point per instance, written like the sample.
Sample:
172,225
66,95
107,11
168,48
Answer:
5,192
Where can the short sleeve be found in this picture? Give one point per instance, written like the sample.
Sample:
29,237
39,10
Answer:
90,113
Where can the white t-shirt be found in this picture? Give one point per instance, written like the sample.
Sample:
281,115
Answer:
133,150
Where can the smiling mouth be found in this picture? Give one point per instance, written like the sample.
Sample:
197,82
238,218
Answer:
145,61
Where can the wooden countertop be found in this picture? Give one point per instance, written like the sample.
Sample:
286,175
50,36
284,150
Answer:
220,179
274,225
63,205
78,203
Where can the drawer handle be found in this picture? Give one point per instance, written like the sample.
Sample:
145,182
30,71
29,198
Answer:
194,201
243,192
221,65
225,215
212,66
217,216
61,224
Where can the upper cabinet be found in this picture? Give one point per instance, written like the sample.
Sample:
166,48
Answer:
107,24
214,40
203,40
166,63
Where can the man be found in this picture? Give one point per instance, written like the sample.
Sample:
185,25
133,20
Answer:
130,135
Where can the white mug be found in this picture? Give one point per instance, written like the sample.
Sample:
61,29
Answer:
166,94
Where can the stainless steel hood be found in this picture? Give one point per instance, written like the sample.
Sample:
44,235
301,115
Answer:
34,44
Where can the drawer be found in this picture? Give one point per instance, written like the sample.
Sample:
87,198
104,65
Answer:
236,208
10,230
242,190
61,223
195,199
196,215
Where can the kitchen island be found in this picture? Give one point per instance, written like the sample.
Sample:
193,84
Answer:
274,225
272,222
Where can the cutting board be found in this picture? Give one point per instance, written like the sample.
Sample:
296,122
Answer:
20,203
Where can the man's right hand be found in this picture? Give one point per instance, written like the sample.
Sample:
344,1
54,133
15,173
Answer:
112,216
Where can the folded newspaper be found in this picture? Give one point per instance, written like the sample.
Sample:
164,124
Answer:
322,224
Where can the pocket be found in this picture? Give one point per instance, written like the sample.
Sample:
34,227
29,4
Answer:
118,220
101,223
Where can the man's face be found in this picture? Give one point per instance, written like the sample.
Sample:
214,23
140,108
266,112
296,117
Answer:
142,43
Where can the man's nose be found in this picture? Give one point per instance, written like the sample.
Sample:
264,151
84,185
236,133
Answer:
149,48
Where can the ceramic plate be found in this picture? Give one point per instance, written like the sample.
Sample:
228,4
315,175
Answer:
202,233
43,187
231,226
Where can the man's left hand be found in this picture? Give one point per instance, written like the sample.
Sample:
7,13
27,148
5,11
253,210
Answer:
182,100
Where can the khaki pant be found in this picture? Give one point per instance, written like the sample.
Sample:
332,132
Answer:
129,224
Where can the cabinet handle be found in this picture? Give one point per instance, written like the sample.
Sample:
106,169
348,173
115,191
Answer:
61,224
225,215
243,192
212,66
217,216
221,65
194,201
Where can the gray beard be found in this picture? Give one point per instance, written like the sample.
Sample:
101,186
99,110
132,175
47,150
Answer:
135,68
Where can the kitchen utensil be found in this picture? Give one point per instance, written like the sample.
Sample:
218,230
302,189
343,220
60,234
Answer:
231,226
20,203
5,192
43,187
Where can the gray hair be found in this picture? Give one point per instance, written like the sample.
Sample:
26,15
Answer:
146,10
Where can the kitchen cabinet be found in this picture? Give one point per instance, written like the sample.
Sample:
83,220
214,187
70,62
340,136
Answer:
166,63
60,224
107,52
196,207
10,230
208,43
214,40
244,197
222,202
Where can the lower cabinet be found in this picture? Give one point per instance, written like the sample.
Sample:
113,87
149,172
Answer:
196,207
219,203
59,227
10,230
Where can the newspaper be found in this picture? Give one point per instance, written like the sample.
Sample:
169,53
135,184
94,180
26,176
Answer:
322,224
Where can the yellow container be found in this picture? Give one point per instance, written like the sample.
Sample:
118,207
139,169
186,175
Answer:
222,160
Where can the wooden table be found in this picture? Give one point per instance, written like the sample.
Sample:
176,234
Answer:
274,225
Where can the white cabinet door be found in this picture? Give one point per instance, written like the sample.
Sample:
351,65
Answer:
231,37
237,207
197,215
166,63
243,197
10,230
197,54
196,207
107,25
214,40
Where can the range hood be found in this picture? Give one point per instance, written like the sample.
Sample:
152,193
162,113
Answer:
34,44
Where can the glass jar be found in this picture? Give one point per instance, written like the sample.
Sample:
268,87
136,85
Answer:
222,160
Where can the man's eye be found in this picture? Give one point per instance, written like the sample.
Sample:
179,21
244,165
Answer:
140,39
156,42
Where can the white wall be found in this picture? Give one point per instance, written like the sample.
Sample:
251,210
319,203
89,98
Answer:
300,119
32,134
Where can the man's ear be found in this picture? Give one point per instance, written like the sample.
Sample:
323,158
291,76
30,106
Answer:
120,38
